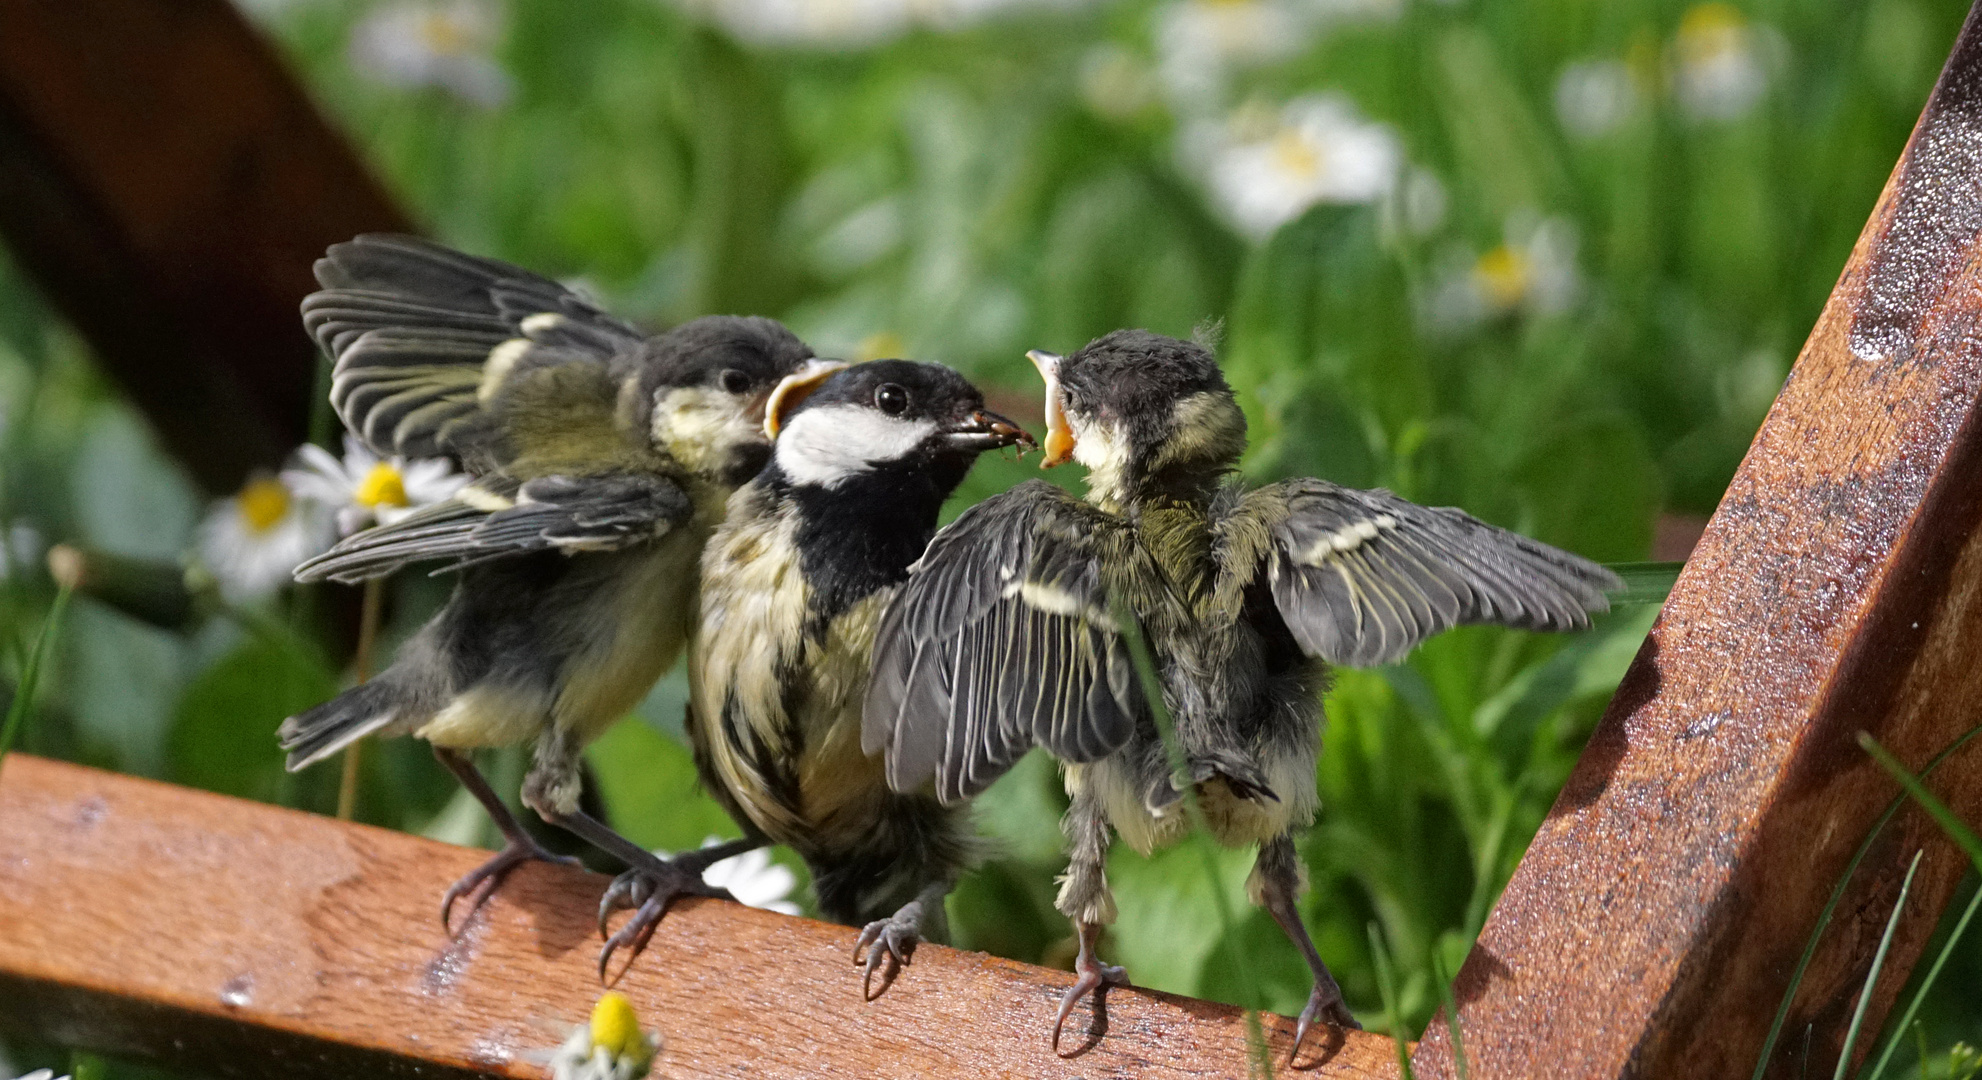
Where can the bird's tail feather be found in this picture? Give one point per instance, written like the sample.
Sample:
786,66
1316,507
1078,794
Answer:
314,735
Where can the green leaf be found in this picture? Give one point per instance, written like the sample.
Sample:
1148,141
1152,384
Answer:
222,736
650,788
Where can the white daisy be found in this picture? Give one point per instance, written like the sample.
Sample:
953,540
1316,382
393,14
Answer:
43,1074
252,540
364,488
1266,168
419,43
611,1047
1534,272
1199,43
845,24
1720,68
1594,97
752,878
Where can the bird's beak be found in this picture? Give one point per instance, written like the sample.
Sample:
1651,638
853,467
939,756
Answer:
1059,436
983,430
794,388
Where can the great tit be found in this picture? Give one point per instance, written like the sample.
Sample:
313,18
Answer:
1006,634
793,584
601,460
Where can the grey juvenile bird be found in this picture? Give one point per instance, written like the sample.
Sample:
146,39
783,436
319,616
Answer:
793,584
601,460
1006,634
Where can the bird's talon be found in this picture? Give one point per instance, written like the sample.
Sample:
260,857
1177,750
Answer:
1324,1004
480,883
649,891
885,942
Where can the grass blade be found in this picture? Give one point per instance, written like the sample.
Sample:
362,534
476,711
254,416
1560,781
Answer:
1386,984
24,691
1837,894
1940,811
1644,582
1878,965
1926,984
1451,1005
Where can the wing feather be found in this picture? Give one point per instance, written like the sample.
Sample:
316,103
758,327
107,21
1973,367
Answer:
420,336
1000,641
553,513
1362,577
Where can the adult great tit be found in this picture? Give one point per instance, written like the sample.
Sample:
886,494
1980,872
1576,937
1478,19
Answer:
601,459
793,584
1006,635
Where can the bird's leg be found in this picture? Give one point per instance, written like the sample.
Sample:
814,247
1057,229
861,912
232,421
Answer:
1084,898
1091,976
1277,880
888,944
634,888
552,790
519,846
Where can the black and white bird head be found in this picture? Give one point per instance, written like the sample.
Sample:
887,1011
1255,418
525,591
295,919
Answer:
700,391
885,423
1145,413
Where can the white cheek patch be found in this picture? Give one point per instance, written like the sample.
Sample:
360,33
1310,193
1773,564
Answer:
825,446
1104,450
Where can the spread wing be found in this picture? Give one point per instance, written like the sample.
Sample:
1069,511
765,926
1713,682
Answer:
551,513
1361,577
1001,639
422,337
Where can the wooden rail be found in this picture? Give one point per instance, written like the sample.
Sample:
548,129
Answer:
1653,927
247,940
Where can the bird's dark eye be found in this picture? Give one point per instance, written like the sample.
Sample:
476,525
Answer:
891,399
734,381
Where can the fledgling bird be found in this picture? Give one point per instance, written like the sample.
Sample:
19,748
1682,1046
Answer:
1006,635
793,584
601,460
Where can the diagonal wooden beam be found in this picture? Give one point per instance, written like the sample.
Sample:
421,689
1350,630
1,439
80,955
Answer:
168,184
1652,928
250,941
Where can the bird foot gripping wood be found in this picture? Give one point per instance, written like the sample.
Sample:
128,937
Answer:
887,945
481,883
1325,1004
1092,977
648,889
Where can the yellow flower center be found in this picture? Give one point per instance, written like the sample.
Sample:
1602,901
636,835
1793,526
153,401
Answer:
1297,154
616,1029
446,35
1710,30
383,486
1503,275
886,345
264,502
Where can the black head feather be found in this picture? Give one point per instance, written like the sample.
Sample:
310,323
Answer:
1166,397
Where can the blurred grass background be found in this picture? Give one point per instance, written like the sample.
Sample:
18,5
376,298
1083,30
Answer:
1547,260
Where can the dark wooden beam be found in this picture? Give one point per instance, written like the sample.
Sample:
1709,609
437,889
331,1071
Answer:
168,184
250,941
1653,927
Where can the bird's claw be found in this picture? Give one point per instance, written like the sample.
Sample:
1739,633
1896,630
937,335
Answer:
1092,977
648,891
885,942
1325,1004
481,882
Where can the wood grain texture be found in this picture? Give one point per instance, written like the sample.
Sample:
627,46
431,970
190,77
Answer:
168,184
248,940
1653,927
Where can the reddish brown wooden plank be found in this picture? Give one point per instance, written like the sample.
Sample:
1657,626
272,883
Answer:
1652,928
168,185
144,918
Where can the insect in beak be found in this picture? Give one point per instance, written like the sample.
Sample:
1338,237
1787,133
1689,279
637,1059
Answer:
1059,436
794,388
985,430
